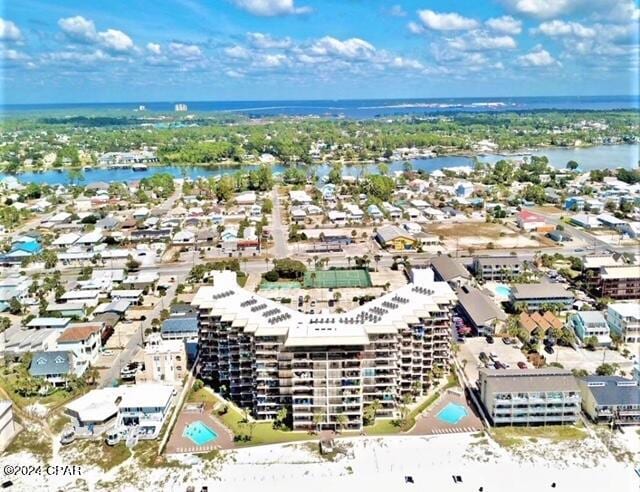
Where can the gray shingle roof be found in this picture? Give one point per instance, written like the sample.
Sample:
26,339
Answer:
50,363
613,390
530,380
479,307
448,268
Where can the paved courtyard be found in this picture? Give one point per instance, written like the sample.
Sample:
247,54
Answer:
179,443
431,423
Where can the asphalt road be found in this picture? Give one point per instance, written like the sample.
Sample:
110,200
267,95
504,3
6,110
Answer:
279,231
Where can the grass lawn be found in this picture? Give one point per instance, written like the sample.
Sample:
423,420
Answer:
382,428
34,442
261,433
57,422
513,436
202,395
96,452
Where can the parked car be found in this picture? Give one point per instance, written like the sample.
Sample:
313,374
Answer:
129,371
548,349
522,365
68,436
506,341
489,339
482,356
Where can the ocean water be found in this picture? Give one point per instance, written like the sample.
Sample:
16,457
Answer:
347,108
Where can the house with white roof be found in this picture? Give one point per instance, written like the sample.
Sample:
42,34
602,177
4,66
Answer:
86,297
65,240
624,320
183,237
300,197
246,198
392,211
585,220
336,217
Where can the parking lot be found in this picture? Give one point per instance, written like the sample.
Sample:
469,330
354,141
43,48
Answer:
509,355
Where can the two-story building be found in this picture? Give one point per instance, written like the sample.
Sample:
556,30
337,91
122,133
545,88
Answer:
611,399
624,320
588,324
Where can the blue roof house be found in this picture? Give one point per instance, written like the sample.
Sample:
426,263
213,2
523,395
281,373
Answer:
53,366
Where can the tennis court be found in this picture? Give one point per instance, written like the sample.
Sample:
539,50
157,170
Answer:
331,279
264,285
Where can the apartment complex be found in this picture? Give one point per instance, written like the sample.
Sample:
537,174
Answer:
500,268
624,320
265,356
619,282
530,397
535,297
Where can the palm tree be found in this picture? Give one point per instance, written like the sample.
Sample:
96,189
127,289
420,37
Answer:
336,296
318,419
349,261
377,259
341,420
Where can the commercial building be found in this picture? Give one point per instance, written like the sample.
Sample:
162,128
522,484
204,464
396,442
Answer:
624,320
611,399
536,296
530,397
497,268
265,356
394,238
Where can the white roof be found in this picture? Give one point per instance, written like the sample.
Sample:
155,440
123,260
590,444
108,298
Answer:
232,303
126,293
35,322
626,309
81,294
91,237
147,396
66,239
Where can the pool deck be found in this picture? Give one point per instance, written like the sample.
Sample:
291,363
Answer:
429,423
179,444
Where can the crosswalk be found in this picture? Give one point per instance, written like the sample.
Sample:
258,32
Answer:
454,430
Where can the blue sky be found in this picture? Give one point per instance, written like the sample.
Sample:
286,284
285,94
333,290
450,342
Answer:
186,50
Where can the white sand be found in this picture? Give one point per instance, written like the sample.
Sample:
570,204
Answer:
380,464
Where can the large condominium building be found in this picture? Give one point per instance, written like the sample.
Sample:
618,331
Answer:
624,320
530,397
265,356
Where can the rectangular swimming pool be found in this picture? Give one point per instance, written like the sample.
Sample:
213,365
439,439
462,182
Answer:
452,413
199,433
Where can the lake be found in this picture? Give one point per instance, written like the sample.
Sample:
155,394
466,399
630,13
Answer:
604,156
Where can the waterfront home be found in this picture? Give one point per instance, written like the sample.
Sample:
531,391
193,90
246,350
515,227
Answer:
143,409
587,324
55,367
623,319
84,341
611,399
300,197
535,296
463,189
533,397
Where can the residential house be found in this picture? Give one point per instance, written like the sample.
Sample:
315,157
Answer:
86,297
338,218
14,286
44,323
623,319
183,237
374,212
611,399
133,296
529,221
55,367
587,324
164,360
585,220
84,341
533,397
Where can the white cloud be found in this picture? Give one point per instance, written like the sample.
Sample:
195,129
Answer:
406,63
353,48
83,30
271,61
271,8
480,41
185,51
265,41
9,31
505,24
79,29
618,10
13,55
558,28
234,74
537,58
238,52
415,28
154,48
397,11
115,40
77,57
450,21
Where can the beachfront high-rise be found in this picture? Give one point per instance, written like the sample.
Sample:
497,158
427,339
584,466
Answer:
266,356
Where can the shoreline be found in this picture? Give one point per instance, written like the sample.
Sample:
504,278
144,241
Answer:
510,154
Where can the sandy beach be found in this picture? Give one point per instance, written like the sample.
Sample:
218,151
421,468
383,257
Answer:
592,464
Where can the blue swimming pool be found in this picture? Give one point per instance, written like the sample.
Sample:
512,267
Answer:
200,433
452,413
503,290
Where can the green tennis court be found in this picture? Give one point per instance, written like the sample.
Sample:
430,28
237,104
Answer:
331,279
264,285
